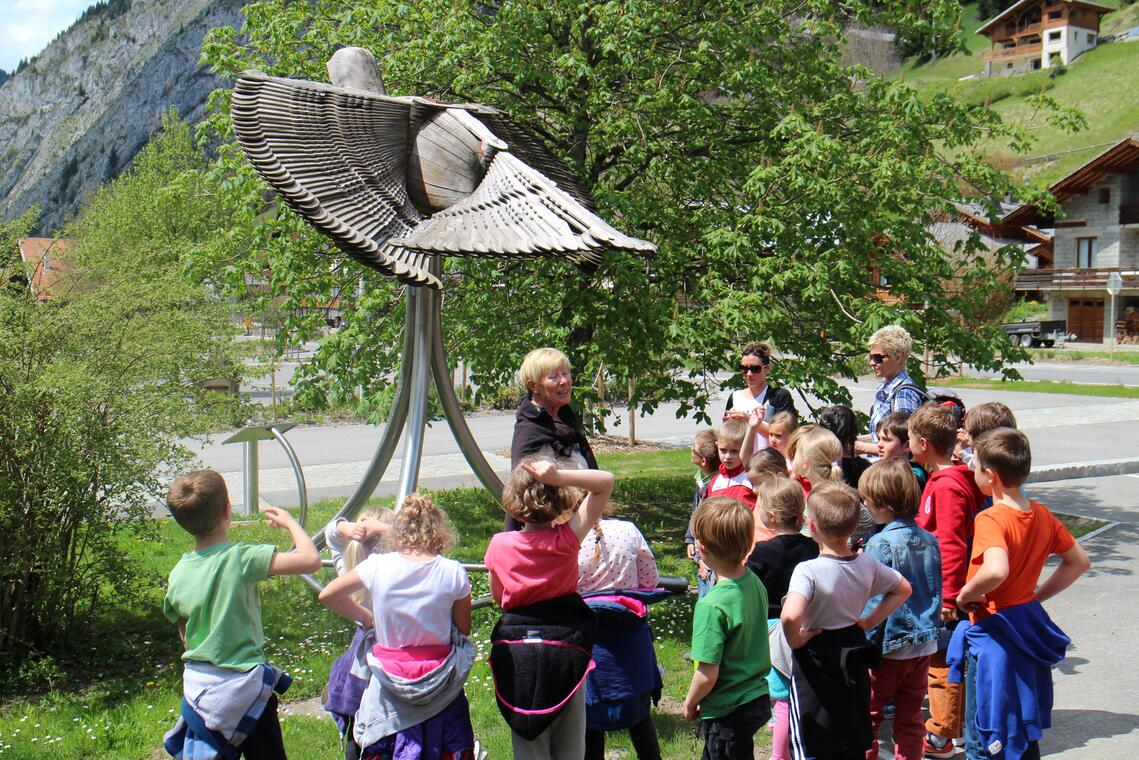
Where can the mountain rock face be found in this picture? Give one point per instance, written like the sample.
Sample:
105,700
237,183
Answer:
77,114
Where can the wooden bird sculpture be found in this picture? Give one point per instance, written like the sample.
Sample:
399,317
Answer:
396,180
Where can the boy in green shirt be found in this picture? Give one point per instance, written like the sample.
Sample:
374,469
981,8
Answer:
729,635
213,598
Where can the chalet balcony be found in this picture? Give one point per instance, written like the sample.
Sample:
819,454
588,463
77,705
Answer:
1073,279
1012,31
1014,52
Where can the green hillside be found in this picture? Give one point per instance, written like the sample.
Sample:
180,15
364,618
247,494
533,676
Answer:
1103,84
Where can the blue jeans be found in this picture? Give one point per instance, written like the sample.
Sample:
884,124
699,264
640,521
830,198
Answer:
702,586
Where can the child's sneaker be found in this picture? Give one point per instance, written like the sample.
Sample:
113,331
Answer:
938,746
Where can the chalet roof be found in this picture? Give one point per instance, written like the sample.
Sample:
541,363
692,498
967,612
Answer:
1019,6
48,257
1121,158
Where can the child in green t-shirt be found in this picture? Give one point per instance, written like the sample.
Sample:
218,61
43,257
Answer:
729,635
212,596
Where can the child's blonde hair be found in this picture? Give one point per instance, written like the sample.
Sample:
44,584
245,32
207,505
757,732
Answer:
766,464
891,484
357,551
529,501
732,431
704,446
793,439
817,451
782,500
988,416
835,508
784,418
421,526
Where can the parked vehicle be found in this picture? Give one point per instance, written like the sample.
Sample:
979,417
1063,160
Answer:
1035,333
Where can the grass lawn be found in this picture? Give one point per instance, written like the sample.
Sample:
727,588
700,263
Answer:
1102,83
1076,355
118,692
1042,386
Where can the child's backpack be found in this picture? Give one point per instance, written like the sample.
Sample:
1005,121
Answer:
940,396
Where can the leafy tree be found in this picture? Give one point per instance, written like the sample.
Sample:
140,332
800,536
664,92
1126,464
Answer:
773,178
97,382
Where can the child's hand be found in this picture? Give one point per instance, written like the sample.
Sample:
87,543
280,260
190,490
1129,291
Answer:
690,711
278,518
755,419
948,614
543,471
353,531
702,570
803,635
367,620
690,550
968,601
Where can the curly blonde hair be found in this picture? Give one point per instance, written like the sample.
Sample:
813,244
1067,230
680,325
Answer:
529,501
421,526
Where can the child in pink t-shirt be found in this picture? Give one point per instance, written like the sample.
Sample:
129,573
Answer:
539,563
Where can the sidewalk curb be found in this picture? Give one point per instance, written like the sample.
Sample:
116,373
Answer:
1103,468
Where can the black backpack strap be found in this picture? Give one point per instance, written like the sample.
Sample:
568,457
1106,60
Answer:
908,387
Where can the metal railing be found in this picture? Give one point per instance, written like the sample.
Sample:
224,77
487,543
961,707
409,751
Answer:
1014,52
1073,279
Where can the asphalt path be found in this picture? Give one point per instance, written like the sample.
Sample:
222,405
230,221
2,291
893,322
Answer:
1062,429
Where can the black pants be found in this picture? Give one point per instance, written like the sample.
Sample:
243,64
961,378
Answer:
265,743
643,735
732,737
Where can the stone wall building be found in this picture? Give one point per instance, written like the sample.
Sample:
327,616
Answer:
1097,234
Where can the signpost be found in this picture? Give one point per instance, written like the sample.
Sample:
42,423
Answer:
1114,285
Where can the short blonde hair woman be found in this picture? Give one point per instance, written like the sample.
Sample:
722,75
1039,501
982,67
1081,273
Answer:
544,422
889,349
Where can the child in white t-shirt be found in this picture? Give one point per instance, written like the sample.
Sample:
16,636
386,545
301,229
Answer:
418,600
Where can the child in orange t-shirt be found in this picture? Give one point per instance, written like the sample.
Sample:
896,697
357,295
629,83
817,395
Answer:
1011,542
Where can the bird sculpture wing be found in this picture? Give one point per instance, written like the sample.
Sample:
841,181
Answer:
518,212
338,158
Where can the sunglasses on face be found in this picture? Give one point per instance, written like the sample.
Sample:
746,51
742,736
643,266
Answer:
878,358
747,369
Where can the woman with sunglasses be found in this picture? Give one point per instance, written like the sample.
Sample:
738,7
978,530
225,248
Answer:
897,392
755,365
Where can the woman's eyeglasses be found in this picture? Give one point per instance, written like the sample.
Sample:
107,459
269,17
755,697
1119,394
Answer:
747,369
878,358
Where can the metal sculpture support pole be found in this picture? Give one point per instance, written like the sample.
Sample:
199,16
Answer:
454,412
392,429
417,411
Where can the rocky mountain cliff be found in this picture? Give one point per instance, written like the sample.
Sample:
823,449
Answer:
77,114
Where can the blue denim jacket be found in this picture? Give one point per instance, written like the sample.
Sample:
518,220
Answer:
914,553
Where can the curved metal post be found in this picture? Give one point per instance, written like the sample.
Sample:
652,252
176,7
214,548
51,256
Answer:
302,489
417,410
392,429
454,412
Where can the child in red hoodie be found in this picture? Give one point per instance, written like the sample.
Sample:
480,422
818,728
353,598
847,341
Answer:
949,503
732,479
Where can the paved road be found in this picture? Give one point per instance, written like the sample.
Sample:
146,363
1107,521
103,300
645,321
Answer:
1062,429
